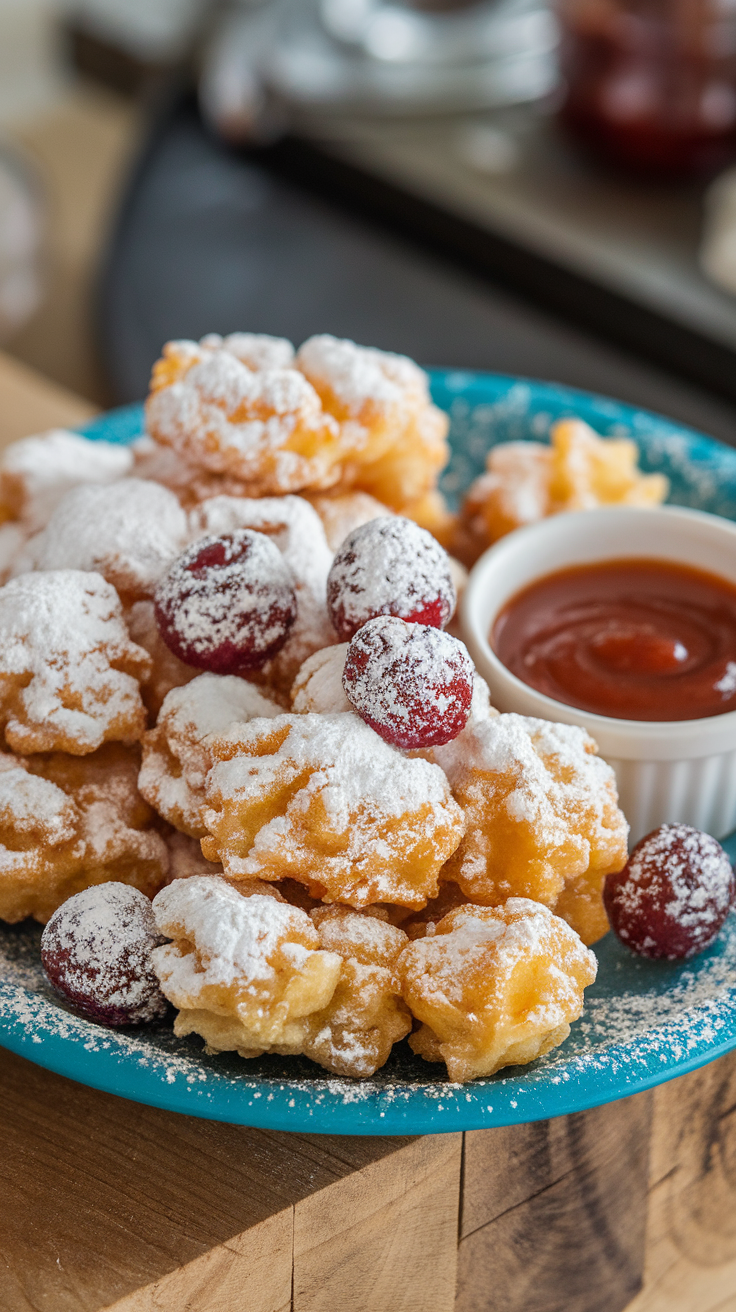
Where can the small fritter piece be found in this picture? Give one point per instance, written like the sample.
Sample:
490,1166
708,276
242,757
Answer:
246,973
318,685
322,799
393,439
266,427
68,670
494,986
67,822
295,528
341,512
178,753
166,671
542,817
36,472
526,481
130,532
366,1016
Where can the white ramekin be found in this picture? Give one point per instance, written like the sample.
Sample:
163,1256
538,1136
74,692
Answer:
683,770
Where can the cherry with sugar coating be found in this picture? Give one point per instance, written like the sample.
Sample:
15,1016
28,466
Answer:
413,684
96,952
389,566
673,895
227,604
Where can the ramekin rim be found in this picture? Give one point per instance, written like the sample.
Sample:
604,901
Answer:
653,730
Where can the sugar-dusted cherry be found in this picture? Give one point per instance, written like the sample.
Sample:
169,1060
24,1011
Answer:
227,603
389,566
96,951
673,895
412,683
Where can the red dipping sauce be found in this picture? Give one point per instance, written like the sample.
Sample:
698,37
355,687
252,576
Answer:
632,639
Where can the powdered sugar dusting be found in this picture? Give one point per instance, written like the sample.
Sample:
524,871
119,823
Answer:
64,645
129,531
36,472
318,685
236,937
679,848
356,374
296,529
226,602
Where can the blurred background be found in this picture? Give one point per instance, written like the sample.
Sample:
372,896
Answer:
539,188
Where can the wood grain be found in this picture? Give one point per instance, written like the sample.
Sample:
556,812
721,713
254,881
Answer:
386,1241
105,1201
561,1223
691,1229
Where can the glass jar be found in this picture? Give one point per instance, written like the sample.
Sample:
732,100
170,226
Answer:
651,84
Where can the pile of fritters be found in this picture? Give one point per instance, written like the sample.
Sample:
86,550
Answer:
322,891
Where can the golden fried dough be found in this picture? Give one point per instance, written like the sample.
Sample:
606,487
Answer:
265,426
244,972
354,1034
526,481
36,472
130,532
67,822
542,818
68,670
494,986
177,754
392,437
324,800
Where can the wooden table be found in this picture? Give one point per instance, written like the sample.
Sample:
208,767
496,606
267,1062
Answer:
105,1204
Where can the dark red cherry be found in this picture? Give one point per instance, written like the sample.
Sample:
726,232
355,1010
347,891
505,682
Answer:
227,603
389,566
412,683
673,894
96,951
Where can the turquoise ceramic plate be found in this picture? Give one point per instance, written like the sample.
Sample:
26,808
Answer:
644,1022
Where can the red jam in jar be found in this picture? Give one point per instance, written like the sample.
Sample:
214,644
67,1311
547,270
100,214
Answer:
632,639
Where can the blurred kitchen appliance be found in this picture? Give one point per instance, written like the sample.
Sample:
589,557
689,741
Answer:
274,63
651,84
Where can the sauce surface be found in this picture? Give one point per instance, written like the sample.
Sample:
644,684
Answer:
632,639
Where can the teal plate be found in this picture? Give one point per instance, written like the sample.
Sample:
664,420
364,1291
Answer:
644,1022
